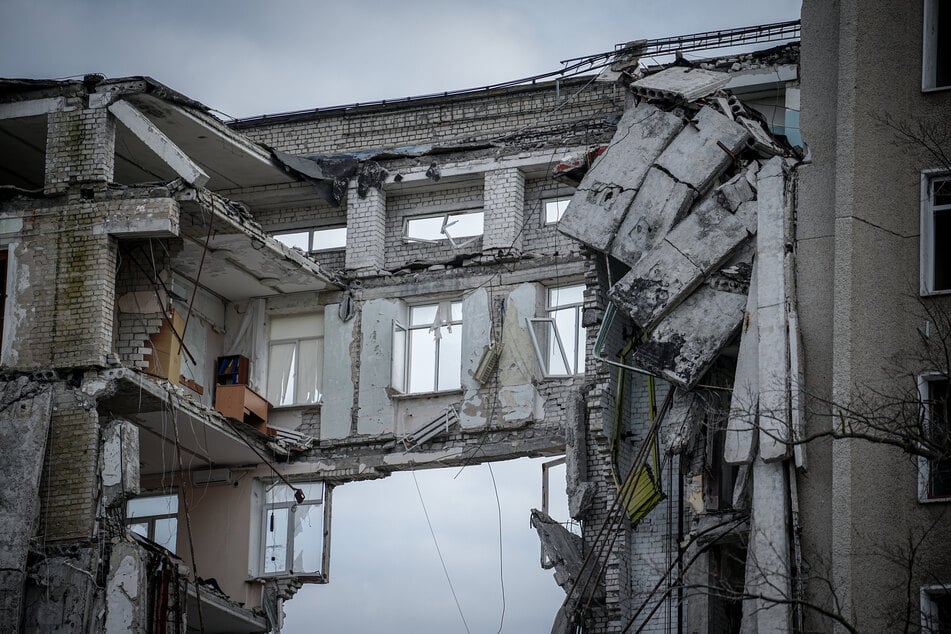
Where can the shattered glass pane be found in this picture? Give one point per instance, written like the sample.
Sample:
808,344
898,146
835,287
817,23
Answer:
308,538
445,226
275,544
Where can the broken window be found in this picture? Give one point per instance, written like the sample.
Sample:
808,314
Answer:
427,351
323,239
935,609
934,397
936,48
459,228
555,209
559,337
155,517
295,359
294,535
936,234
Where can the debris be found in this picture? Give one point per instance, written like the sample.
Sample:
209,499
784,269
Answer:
680,84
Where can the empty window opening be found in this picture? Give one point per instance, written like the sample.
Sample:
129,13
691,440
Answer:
936,609
936,53
295,359
555,209
383,549
312,240
936,234
155,517
427,353
934,394
559,336
294,536
459,228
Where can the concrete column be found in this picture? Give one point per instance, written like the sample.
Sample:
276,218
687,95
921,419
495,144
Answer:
80,148
504,210
366,230
25,408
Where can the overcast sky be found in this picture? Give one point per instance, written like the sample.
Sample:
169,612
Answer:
247,58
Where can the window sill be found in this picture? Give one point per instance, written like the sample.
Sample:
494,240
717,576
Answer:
936,293
400,396
936,500
933,89
562,377
290,408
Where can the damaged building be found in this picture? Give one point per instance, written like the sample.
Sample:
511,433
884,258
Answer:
206,328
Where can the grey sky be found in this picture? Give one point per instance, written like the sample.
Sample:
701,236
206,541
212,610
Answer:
246,58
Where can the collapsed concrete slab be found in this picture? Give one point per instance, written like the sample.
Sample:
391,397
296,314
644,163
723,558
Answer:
739,443
604,195
684,345
663,278
680,84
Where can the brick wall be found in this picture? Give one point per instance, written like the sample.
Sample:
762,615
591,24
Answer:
366,230
481,117
69,490
80,148
504,202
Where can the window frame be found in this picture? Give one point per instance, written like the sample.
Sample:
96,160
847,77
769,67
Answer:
297,358
556,200
326,492
929,48
925,479
579,335
150,520
403,351
455,242
927,229
929,608
312,238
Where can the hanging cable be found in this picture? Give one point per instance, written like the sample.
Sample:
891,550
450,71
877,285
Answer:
439,552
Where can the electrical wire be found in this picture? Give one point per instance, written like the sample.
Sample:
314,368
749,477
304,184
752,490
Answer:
439,552
498,506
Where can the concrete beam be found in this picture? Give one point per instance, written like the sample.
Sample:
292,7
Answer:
336,413
607,190
156,140
771,312
740,437
32,108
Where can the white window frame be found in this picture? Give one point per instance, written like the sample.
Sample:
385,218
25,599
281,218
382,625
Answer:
928,211
929,48
924,464
573,364
556,202
402,369
319,338
929,609
291,504
313,233
150,520
446,229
